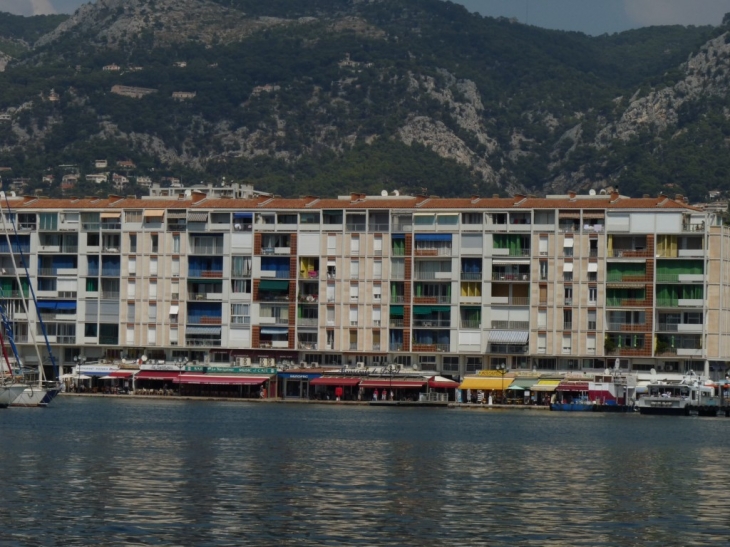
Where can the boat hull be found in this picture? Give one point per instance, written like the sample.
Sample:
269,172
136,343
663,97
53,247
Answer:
9,394
571,407
36,397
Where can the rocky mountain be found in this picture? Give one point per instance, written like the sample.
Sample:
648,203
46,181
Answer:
323,96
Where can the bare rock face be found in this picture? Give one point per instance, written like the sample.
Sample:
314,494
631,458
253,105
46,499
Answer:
4,60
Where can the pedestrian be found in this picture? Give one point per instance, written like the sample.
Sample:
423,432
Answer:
263,393
480,397
468,395
338,393
392,398
375,394
385,395
490,399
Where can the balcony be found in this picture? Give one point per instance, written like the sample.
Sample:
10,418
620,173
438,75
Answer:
202,342
441,251
471,324
274,274
510,276
432,300
354,228
398,299
108,340
627,278
471,276
694,227
430,276
206,296
432,323
509,348
680,327
629,327
204,320
395,347
511,252
111,225
110,295
378,227
206,250
206,274
511,325
680,278
396,323
430,347
630,253
308,321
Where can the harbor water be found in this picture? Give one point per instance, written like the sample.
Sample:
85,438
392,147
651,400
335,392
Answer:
160,472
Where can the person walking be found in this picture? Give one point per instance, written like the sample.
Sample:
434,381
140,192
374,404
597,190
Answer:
338,393
375,394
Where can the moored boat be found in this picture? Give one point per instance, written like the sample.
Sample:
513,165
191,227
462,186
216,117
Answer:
10,393
684,398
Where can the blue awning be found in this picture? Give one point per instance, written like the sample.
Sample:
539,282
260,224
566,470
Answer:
433,237
274,330
66,305
48,305
243,216
398,236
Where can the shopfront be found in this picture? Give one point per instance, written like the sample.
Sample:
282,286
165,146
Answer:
295,384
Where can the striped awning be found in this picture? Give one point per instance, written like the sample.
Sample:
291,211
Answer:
197,216
154,213
177,214
111,215
508,337
546,385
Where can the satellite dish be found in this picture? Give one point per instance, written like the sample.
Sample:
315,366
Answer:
144,358
591,192
384,193
396,193
606,372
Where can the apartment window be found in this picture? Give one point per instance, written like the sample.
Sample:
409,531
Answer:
568,246
541,319
543,245
568,296
354,291
592,276
567,319
591,315
153,290
92,240
132,243
173,337
48,221
378,269
240,314
541,342
378,245
330,341
451,364
130,334
151,334
331,244
377,316
330,315
592,295
353,340
132,265
568,271
133,216
591,344
131,312
355,245
152,312
176,243
543,294
154,239
241,286
353,316
474,364
175,267
131,288
377,292
153,266
91,330
543,270
355,269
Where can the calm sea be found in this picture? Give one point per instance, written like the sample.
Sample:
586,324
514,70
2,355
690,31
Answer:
136,472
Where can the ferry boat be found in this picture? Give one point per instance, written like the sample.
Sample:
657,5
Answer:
684,398
600,393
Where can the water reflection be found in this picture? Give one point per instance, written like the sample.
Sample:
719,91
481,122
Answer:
160,473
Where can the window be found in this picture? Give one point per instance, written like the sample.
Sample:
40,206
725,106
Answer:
153,266
593,276
131,288
377,269
154,239
377,292
131,312
591,344
568,319
451,364
330,315
354,291
568,296
541,319
133,216
474,364
152,311
240,314
48,221
331,244
130,334
92,240
132,243
377,316
175,266
355,245
378,245
132,265
176,243
91,330
591,315
592,295
241,286
543,270
353,316
173,337
355,269
541,342
151,334
543,245
153,290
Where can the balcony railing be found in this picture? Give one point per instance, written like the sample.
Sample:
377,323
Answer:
519,301
510,276
396,323
471,324
274,297
204,320
630,253
354,227
308,321
111,272
614,302
428,276
110,295
398,252
206,250
511,325
111,225
397,299
109,340
429,323
567,325
206,274
203,342
677,327
627,278
471,276
396,347
509,348
441,251
430,347
432,299
378,227
629,327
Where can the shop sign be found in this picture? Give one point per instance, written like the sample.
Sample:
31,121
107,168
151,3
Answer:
231,370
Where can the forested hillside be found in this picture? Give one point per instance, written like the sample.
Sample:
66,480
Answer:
328,96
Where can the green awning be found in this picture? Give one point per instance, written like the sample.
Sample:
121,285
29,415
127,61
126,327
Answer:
273,285
396,311
441,309
422,310
205,281
471,308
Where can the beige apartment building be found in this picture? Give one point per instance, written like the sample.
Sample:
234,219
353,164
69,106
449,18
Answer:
562,283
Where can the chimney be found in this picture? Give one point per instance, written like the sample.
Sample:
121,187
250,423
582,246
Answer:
571,194
615,195
679,197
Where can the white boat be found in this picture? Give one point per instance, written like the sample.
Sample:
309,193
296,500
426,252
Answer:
686,397
34,395
10,393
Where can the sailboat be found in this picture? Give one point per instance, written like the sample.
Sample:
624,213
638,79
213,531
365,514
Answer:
10,389
38,391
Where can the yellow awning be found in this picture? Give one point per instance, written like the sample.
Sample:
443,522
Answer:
545,385
154,213
111,215
483,382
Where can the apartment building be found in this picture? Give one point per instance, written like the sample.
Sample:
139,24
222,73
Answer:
563,283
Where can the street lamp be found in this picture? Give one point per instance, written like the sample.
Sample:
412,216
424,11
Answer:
502,370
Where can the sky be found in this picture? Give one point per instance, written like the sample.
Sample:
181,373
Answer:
589,16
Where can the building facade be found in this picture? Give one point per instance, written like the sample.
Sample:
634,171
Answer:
563,283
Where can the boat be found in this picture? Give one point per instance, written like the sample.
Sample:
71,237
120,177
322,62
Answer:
600,393
38,391
687,397
9,393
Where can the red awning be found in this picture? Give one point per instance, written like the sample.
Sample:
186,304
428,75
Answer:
573,386
332,381
222,380
395,384
122,373
442,383
157,375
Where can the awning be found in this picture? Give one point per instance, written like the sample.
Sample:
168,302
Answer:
122,373
243,216
546,385
433,237
174,310
396,311
197,216
568,242
395,383
212,331
111,215
299,375
486,382
397,236
568,267
594,215
334,381
176,214
222,380
524,383
154,213
572,386
56,305
157,375
572,215
508,336
593,266
439,382
274,330
273,285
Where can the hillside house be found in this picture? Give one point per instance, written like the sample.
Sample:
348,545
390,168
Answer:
119,181
183,95
144,181
180,64
111,68
5,118
126,164
97,177
101,164
133,92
